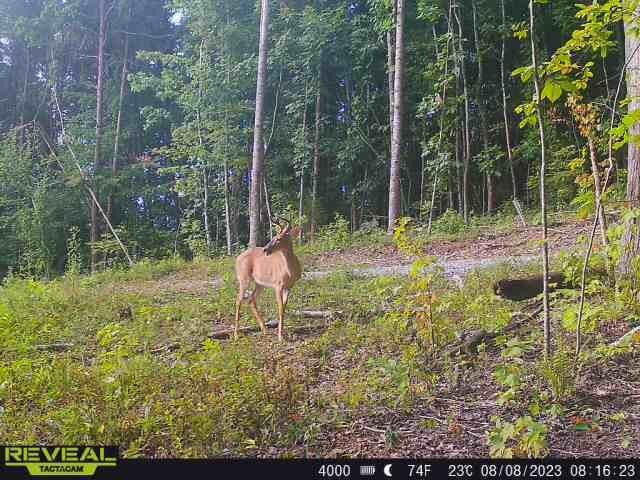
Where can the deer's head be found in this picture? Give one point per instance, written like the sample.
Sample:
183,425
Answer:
283,239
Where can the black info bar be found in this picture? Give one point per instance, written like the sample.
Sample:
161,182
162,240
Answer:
100,462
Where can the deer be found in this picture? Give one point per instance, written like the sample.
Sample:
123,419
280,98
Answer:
272,266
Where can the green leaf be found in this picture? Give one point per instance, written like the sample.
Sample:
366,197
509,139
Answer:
552,91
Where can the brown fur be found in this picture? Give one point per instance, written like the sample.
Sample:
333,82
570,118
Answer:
272,266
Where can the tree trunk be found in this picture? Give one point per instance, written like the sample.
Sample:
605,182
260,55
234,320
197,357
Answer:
25,91
257,169
631,237
205,170
226,186
467,139
303,158
481,110
316,160
458,176
595,171
116,140
102,35
391,71
543,200
505,110
398,114
441,130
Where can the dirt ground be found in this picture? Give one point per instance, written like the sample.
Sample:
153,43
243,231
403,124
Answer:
520,242
454,420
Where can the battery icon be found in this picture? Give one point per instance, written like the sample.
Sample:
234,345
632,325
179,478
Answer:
367,470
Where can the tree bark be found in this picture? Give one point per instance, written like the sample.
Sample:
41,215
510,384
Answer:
441,131
116,141
484,133
316,160
505,110
467,139
303,158
631,237
257,169
543,202
391,71
398,114
102,36
205,170
595,172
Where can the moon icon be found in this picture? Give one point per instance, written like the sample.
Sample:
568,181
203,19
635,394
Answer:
387,469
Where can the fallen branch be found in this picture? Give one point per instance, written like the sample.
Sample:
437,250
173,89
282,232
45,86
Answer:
317,313
469,341
627,337
228,333
54,347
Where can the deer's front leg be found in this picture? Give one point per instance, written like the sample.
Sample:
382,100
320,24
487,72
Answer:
238,305
281,299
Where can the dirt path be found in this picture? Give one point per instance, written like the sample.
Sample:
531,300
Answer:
457,258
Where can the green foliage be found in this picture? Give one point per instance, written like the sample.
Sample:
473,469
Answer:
559,372
523,438
450,222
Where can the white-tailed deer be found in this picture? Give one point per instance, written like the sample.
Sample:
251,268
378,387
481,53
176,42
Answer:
272,266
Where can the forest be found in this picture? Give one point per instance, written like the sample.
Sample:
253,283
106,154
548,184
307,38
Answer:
463,177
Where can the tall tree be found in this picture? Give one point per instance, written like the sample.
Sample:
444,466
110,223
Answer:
102,39
543,197
505,110
316,155
391,68
398,117
466,158
631,237
480,97
257,169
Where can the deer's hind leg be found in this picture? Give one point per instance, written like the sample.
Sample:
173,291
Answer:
254,307
239,300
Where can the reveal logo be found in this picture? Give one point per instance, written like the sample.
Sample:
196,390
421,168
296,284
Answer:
63,461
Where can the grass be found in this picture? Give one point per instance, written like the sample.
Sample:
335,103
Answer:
254,396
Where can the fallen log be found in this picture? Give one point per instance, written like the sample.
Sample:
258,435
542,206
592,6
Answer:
524,288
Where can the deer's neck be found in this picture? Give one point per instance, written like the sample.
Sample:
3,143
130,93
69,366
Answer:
293,265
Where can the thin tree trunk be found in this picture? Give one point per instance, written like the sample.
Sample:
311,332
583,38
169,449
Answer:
257,170
227,203
304,155
458,176
631,237
23,100
102,35
543,200
398,114
116,141
227,207
467,139
595,171
505,110
391,71
440,133
316,159
205,170
481,109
